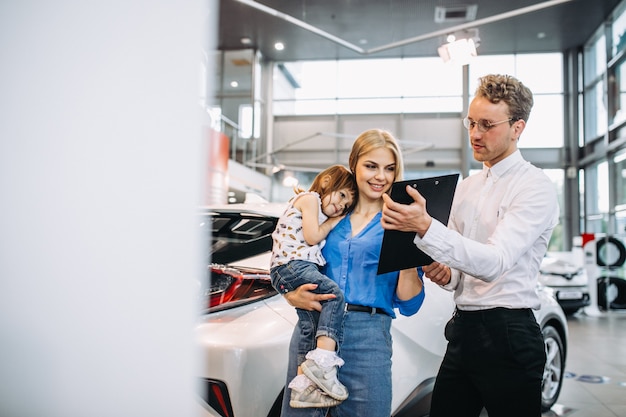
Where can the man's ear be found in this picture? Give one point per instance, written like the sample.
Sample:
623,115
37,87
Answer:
519,127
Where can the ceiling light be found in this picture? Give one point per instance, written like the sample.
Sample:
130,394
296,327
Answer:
279,46
461,47
234,84
246,41
290,180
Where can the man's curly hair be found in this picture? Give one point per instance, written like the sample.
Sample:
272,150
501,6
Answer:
497,87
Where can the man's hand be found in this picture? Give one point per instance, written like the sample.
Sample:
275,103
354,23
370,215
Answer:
303,297
437,273
406,217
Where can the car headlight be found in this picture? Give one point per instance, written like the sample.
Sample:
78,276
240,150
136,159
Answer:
232,286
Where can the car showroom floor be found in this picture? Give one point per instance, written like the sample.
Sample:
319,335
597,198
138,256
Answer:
595,382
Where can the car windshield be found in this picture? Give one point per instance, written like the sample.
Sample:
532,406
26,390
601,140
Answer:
237,235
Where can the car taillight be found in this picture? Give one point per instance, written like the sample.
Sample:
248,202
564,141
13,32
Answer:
234,286
215,394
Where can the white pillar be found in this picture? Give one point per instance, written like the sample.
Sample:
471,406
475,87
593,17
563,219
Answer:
591,266
101,163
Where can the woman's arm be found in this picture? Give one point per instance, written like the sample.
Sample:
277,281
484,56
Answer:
303,297
409,284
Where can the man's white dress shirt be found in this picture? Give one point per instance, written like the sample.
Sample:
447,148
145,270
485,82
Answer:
499,229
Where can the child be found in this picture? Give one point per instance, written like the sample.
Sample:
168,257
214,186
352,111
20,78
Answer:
296,258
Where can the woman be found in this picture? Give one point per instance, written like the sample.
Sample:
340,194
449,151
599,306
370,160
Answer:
351,251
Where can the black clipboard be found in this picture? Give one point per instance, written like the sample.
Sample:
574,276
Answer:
398,250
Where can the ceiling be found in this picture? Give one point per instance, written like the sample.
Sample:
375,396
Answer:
346,29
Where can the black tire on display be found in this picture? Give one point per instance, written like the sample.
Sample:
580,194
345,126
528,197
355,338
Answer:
613,288
610,252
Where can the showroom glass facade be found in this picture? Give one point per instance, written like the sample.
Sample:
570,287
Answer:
424,85
603,139
583,117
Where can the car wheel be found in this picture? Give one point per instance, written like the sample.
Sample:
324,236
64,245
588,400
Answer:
554,368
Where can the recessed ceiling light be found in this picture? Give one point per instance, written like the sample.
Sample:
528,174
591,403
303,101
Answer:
234,84
279,46
246,41
541,35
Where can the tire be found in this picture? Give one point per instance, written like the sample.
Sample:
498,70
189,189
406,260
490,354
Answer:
616,289
612,244
554,368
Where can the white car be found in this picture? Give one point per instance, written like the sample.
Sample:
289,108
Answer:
245,328
565,273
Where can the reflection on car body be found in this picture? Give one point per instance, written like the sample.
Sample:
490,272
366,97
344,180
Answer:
245,327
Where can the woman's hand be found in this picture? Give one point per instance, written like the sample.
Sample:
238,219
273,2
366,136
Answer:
437,273
303,297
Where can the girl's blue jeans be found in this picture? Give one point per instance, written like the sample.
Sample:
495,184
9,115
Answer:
311,324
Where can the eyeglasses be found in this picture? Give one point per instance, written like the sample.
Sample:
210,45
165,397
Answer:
483,125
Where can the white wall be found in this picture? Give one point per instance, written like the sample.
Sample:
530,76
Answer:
101,162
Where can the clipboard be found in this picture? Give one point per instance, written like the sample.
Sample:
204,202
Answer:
398,250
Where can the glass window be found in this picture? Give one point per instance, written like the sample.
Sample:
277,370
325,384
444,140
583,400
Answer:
619,180
595,111
597,198
431,77
369,78
557,242
617,93
316,79
543,74
618,29
545,127
595,57
365,86
489,64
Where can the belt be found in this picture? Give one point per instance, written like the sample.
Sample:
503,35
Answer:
497,313
365,309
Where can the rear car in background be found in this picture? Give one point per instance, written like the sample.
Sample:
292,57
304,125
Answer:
245,327
565,274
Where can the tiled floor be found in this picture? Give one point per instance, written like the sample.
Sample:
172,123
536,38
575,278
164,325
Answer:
595,385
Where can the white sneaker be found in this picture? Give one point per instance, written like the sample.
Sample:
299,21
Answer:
311,397
325,378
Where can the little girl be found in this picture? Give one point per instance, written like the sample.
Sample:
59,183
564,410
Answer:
296,259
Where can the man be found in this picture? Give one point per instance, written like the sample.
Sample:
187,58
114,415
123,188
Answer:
489,255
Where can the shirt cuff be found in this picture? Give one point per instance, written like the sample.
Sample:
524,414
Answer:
436,244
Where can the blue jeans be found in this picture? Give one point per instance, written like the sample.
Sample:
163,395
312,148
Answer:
366,348
311,324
